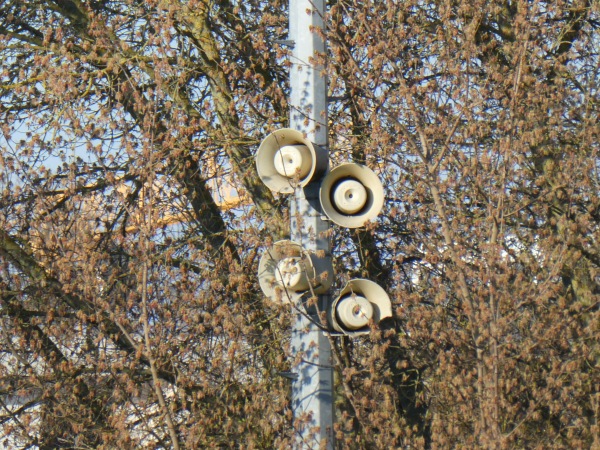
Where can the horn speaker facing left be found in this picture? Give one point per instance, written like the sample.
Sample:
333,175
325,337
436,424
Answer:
286,272
286,159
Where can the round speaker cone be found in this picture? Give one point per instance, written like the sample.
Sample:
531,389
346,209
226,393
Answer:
293,160
290,274
349,196
354,311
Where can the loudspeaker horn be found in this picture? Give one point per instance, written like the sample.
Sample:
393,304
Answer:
351,194
286,272
360,302
285,159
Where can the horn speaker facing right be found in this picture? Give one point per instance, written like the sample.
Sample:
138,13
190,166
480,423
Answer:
351,194
358,304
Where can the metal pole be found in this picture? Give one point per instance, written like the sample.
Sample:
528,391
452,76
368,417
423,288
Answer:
312,389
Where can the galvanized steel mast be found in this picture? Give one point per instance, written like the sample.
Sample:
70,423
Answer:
312,388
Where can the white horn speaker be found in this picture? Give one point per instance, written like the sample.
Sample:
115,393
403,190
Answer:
285,159
360,302
351,194
286,272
